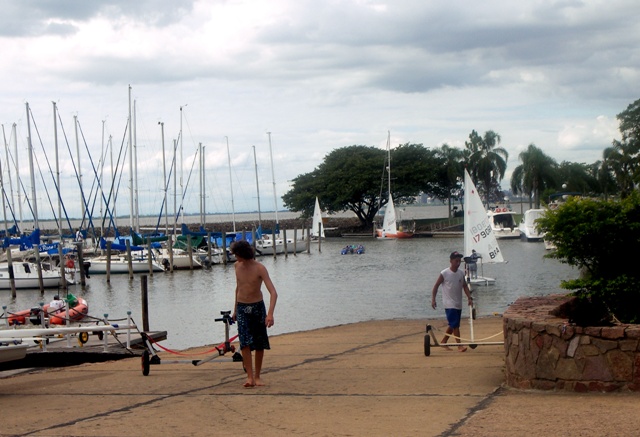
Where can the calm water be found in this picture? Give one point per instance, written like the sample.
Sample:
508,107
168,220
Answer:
393,279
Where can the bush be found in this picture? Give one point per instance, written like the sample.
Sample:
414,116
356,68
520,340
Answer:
602,239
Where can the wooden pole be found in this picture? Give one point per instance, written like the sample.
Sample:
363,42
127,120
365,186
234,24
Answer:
129,259
209,249
190,252
145,303
224,248
108,261
83,280
284,243
12,276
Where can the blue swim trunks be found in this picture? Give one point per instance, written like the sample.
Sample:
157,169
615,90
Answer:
252,329
453,317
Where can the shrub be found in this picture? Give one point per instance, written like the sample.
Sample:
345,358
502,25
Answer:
602,238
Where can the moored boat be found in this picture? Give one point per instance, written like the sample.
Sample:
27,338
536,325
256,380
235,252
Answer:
25,275
528,227
78,309
503,223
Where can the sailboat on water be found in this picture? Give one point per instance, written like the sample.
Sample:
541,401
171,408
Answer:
317,227
390,228
478,234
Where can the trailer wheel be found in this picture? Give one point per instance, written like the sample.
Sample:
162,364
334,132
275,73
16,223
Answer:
145,363
83,337
427,345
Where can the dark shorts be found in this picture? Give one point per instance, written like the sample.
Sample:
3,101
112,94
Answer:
453,317
252,329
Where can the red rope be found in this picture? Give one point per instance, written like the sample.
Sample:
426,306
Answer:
215,349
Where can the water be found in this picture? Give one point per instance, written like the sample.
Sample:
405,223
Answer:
392,280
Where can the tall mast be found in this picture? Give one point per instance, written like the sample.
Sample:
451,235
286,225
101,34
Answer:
175,189
15,154
181,169
7,162
33,179
55,141
273,178
131,212
255,164
102,179
233,208
164,181
201,172
389,161
82,209
136,200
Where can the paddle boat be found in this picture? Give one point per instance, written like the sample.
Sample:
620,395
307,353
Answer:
78,309
350,249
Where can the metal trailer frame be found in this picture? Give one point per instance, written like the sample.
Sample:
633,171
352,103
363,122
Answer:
150,355
472,344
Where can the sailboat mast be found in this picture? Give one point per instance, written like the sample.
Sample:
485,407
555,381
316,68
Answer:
233,208
273,178
175,187
6,162
181,169
164,181
201,172
33,179
75,122
55,141
389,161
130,164
204,187
136,200
15,154
255,164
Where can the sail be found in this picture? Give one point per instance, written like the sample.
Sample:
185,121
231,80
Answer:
477,227
389,222
317,221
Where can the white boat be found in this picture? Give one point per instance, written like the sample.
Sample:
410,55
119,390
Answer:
10,351
503,223
528,227
478,233
390,229
181,259
120,264
317,227
265,245
26,276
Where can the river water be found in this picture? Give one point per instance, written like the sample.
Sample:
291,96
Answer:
392,280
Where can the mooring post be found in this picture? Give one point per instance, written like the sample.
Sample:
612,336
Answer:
145,303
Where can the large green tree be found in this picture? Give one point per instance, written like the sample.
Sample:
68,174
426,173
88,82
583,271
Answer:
487,163
536,173
623,157
354,179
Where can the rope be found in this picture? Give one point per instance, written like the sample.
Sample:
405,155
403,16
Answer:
215,349
467,340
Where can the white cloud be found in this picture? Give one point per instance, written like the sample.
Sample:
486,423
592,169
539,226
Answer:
318,76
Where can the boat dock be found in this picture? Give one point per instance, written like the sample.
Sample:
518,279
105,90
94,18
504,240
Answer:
68,350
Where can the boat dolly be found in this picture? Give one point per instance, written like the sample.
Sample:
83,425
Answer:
472,343
150,356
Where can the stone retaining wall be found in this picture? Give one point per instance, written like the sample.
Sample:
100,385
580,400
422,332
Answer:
543,351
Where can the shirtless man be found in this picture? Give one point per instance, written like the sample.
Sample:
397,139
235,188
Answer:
250,311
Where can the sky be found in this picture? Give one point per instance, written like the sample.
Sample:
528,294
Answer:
294,80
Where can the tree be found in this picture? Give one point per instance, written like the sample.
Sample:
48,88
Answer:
623,157
353,178
599,237
534,175
451,170
487,163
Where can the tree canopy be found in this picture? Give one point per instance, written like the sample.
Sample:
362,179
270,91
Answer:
536,173
354,179
486,161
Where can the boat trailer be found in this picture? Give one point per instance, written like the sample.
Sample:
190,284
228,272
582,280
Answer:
150,355
472,343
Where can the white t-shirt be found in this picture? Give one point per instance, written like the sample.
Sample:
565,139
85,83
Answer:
56,305
452,288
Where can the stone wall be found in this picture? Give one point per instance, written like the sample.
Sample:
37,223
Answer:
544,351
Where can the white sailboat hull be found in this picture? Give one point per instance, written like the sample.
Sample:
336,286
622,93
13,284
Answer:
26,276
121,265
12,352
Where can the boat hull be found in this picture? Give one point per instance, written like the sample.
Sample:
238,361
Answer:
26,276
121,266
12,352
76,313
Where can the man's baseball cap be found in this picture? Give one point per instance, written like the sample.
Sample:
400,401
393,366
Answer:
455,254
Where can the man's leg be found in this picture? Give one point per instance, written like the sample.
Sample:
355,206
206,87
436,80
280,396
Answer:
248,367
259,357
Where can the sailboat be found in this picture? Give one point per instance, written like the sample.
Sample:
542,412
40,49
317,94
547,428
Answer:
317,227
478,234
390,228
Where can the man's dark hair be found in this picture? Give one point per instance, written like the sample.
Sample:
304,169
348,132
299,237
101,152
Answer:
243,249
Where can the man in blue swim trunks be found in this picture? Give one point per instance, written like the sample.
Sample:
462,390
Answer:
250,311
453,282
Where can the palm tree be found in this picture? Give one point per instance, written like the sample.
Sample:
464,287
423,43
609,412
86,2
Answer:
622,160
487,161
453,166
534,175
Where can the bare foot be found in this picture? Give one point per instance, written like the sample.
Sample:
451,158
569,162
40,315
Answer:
259,382
447,348
462,349
249,384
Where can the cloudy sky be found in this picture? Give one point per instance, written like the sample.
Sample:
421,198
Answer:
318,75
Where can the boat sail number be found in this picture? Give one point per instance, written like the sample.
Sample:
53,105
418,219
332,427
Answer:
482,231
